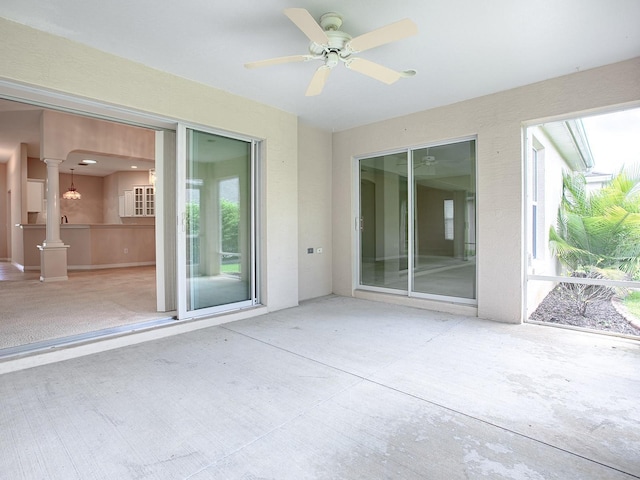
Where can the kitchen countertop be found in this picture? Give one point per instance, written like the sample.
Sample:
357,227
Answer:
89,225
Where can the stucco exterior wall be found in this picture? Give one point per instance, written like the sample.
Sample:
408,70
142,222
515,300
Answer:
550,181
41,60
314,207
497,121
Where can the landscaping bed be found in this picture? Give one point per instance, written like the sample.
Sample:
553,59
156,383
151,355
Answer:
600,315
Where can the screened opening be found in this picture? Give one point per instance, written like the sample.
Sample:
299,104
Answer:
583,222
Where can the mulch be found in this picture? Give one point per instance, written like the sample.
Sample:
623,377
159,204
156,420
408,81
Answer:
600,314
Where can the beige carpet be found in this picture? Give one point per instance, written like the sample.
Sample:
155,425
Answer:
32,311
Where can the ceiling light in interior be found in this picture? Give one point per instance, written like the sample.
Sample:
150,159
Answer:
72,193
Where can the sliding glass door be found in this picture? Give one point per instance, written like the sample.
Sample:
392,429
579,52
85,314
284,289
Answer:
417,215
444,206
383,222
217,240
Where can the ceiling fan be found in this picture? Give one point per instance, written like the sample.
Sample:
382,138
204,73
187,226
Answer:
332,46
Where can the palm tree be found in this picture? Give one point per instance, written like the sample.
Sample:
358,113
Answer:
598,234
599,229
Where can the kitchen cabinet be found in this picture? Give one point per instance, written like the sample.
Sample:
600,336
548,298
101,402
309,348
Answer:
138,202
125,204
143,201
35,195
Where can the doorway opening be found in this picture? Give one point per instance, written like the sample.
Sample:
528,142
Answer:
583,222
110,229
124,229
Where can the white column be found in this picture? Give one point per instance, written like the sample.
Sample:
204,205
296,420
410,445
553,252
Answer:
53,204
53,253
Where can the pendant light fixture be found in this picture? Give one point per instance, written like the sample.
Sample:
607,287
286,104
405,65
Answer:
72,193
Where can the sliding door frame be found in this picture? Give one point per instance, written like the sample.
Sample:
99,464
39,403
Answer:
181,241
68,103
357,263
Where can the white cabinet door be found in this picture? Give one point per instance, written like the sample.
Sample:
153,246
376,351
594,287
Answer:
138,201
143,200
127,204
149,201
35,195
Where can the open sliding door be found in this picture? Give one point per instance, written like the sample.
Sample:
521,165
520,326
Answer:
216,223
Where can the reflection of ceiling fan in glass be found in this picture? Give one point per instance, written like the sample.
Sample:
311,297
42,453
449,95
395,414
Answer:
426,165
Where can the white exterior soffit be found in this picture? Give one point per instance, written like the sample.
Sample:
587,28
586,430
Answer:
570,139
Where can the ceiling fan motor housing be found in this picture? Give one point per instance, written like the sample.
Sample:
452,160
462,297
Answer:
330,23
337,42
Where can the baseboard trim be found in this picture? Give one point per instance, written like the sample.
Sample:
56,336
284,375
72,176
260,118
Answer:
111,265
91,267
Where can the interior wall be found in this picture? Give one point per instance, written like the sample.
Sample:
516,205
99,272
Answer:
42,60
90,208
110,205
113,187
99,203
314,200
63,133
497,121
36,168
430,221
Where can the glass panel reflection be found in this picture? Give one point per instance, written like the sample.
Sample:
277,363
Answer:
444,220
218,217
383,221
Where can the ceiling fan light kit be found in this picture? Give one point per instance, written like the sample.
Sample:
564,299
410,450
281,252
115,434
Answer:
332,46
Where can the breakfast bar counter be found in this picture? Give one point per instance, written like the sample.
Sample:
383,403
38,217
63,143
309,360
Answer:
93,246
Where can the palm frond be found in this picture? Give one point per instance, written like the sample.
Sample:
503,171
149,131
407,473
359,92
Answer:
601,228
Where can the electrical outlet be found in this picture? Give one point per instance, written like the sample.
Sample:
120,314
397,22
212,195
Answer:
126,250
309,250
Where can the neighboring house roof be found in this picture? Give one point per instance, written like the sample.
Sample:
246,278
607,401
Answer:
570,140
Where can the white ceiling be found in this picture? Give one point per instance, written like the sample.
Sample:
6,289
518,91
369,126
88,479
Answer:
464,48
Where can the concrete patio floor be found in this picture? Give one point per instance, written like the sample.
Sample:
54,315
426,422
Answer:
338,388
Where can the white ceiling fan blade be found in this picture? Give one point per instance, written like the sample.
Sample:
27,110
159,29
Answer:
318,80
278,61
391,33
305,22
373,70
